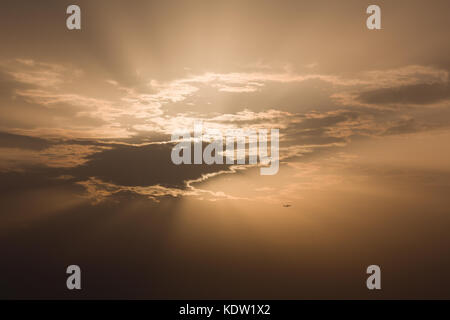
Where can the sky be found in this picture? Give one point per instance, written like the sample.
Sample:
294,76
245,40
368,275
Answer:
86,118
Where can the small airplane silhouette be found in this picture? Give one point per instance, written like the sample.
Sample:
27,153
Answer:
287,205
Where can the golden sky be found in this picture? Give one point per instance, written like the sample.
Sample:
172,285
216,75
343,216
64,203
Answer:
86,118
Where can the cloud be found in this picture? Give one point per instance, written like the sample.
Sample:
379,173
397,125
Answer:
104,170
54,156
8,140
410,85
99,191
144,166
29,71
148,110
416,94
127,148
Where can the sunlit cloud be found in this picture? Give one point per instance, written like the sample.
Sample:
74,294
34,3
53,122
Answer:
136,112
56,156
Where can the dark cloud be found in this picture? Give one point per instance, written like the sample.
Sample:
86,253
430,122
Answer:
8,140
404,126
141,166
412,94
125,165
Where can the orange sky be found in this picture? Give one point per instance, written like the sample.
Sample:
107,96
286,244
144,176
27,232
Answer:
364,117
